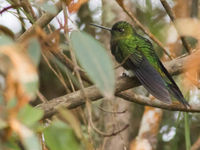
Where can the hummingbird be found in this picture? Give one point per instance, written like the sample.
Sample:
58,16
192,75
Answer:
136,54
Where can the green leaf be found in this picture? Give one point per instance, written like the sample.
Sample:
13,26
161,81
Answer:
59,136
29,115
96,62
12,103
71,120
30,141
34,51
31,88
3,124
11,145
50,8
5,40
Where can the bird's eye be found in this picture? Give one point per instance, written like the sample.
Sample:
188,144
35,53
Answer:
121,30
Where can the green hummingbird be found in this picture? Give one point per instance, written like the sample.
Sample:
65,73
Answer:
137,54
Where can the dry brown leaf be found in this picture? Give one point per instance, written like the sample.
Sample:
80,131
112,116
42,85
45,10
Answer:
74,6
191,27
188,27
19,72
192,69
182,8
48,42
68,2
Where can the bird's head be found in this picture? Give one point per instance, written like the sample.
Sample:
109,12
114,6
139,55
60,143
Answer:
122,29
119,30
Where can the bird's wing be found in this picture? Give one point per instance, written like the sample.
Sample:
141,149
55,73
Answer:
171,85
149,77
166,77
173,88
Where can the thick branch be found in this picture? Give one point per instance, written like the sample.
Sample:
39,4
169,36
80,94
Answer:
76,99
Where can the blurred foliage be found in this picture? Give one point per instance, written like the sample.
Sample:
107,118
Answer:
32,73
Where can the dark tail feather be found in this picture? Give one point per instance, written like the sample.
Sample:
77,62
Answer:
178,95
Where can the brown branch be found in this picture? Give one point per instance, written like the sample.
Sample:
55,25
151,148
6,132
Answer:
8,7
172,17
132,97
146,31
41,22
75,99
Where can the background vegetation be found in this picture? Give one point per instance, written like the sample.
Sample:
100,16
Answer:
61,89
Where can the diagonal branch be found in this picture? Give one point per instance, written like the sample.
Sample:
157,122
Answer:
172,17
75,99
41,22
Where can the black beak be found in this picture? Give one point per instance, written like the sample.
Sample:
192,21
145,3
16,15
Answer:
102,27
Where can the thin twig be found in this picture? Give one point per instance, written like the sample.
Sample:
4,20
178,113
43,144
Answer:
172,17
54,71
109,134
113,112
41,97
139,24
7,8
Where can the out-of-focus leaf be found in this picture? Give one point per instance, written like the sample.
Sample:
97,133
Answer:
12,103
188,27
59,136
75,124
29,115
5,40
50,8
31,142
28,138
11,145
21,71
31,88
3,124
96,62
72,120
34,51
